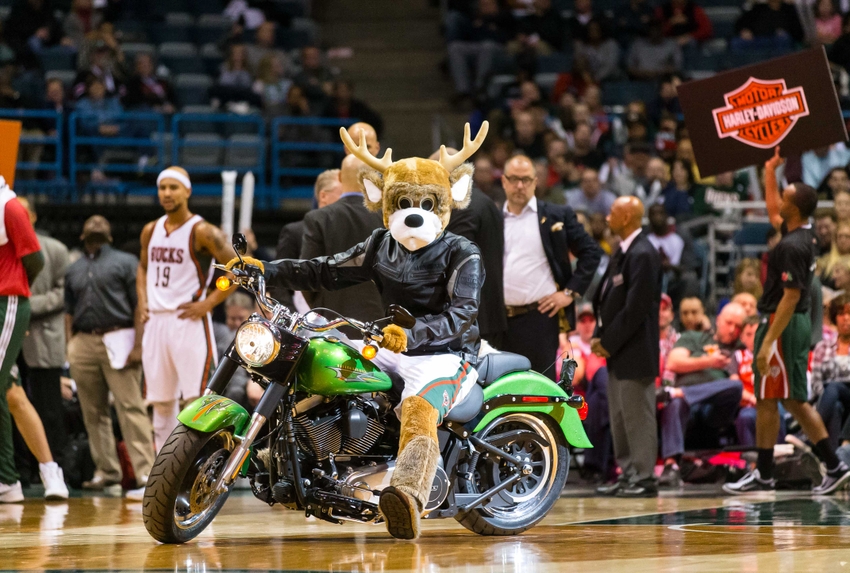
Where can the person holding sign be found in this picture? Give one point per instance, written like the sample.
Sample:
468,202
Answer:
783,338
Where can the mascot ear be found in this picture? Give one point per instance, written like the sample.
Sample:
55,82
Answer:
461,181
373,192
373,188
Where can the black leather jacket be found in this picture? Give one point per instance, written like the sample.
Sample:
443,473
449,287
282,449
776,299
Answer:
440,284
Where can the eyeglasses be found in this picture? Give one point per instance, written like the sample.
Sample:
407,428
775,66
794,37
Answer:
514,180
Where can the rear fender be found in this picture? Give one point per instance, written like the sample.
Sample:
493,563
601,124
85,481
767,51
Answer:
213,412
518,384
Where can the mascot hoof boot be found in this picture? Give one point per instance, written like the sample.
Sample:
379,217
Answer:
400,513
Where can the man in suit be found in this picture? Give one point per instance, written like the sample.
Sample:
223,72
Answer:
627,329
335,229
482,223
326,191
540,285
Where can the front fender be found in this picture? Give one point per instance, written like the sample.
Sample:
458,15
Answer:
213,412
534,384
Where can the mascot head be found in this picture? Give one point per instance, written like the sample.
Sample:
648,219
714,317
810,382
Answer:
417,195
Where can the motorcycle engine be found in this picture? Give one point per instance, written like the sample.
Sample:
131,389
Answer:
345,426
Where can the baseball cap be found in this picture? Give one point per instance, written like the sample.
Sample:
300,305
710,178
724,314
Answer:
584,308
666,300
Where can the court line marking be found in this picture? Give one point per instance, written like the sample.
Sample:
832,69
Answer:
685,528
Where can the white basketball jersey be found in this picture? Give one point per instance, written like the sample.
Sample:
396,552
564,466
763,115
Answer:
174,274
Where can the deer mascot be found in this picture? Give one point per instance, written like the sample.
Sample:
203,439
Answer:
437,276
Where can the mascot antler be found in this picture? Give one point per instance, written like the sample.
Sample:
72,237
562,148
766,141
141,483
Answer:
453,161
363,154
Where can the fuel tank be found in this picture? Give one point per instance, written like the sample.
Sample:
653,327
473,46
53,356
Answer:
331,368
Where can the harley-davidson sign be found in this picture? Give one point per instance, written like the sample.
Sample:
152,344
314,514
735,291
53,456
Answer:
736,118
761,112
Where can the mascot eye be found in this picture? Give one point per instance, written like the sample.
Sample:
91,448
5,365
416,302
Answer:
405,203
427,204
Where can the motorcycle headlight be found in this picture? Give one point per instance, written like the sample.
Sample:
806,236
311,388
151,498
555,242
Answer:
256,344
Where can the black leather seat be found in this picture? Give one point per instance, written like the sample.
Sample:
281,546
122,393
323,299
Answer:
469,408
493,366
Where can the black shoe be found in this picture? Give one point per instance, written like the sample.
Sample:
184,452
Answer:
610,489
670,477
638,490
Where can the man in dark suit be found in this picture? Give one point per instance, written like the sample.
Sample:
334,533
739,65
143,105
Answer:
481,222
335,229
627,326
540,285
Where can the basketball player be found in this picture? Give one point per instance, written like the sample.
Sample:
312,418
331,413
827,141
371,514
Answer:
178,350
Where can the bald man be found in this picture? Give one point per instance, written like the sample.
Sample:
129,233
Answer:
335,229
372,143
540,285
175,268
627,329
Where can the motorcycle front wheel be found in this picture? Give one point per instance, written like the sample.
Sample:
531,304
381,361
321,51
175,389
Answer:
526,502
180,498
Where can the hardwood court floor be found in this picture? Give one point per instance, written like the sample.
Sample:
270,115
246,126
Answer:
781,533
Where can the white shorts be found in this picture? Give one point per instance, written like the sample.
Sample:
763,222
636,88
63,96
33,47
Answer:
178,357
444,380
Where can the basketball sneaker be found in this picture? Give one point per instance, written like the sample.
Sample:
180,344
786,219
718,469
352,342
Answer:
53,480
833,480
750,483
11,493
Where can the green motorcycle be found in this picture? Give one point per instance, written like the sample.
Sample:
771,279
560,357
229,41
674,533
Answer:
324,437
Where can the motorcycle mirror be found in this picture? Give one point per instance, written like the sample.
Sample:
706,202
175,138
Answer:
240,245
401,316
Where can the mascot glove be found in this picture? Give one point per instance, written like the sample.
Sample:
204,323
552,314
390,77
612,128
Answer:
248,261
395,340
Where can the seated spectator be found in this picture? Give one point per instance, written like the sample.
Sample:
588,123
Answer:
831,374
679,280
825,223
748,302
840,248
728,189
657,177
600,232
835,180
590,197
265,46
102,58
684,21
484,178
526,139
80,21
32,27
315,77
692,317
584,150
770,25
666,106
827,22
654,56
626,176
839,51
818,163
679,193
668,338
704,399
9,96
99,113
748,278
601,53
539,33
583,14
343,104
632,20
685,150
272,84
841,204
473,53
665,137
841,274
147,92
235,71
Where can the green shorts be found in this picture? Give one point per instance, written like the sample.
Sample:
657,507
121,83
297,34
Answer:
788,362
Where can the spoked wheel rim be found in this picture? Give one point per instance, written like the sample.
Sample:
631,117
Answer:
536,473
197,496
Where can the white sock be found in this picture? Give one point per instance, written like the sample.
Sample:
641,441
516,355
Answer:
48,465
164,421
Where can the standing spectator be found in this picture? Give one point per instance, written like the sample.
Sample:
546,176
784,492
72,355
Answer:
44,346
627,320
684,21
100,306
178,349
679,193
343,104
31,26
773,24
237,308
831,374
272,85
583,15
654,56
145,91
835,181
539,280
784,337
265,47
704,395
590,197
818,163
827,22
825,223
679,280
668,336
335,229
601,53
80,21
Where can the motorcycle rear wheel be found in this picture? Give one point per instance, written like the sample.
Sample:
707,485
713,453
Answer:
526,503
179,500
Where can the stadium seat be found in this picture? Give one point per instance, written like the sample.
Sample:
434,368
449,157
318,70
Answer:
546,81
181,58
65,76
132,31
621,93
241,127
556,63
199,155
4,12
752,233
167,141
245,153
212,58
498,83
176,28
206,6
197,125
57,59
132,49
293,8
211,28
723,19
192,89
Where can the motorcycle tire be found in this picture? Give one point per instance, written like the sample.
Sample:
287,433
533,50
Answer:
174,507
490,520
